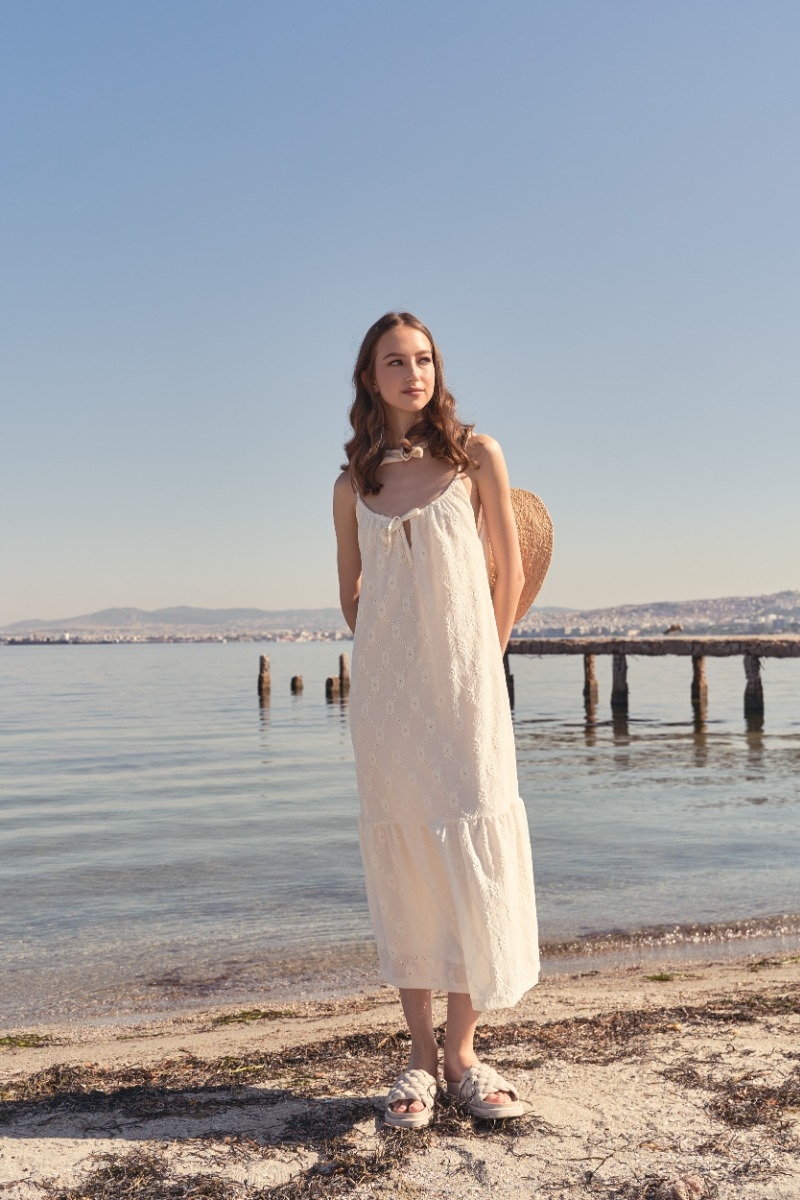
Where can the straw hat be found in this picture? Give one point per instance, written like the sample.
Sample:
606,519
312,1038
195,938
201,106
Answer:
535,530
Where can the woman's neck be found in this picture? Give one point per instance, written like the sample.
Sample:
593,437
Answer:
397,432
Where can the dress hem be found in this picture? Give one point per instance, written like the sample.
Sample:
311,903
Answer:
490,1004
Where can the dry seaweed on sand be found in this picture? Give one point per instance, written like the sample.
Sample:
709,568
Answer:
742,1102
167,1089
366,1062
328,1128
145,1175
334,1136
659,1187
347,1063
610,1036
342,1166
325,1121
141,1175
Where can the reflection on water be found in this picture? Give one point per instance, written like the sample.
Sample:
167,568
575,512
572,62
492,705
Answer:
647,818
620,724
755,734
194,826
700,743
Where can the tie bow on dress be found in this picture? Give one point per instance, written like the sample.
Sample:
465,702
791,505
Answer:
392,527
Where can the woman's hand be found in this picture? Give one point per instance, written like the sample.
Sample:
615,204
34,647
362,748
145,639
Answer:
347,551
494,492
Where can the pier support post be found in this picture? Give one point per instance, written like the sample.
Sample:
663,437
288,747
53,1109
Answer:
753,692
296,684
619,683
264,680
699,684
589,680
699,688
332,687
344,674
509,679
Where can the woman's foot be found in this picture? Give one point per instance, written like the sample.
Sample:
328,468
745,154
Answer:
486,1094
454,1069
427,1060
410,1103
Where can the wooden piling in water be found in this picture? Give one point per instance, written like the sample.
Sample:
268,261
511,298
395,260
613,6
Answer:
619,683
332,687
264,679
754,691
344,674
699,683
296,684
590,689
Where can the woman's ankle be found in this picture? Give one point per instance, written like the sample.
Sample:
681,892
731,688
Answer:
425,1056
456,1062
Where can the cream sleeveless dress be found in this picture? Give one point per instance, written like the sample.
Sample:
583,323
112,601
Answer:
443,832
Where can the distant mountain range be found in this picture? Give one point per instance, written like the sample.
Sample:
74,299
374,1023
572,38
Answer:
778,612
184,615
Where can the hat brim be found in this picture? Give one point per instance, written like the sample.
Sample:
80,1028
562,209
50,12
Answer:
535,532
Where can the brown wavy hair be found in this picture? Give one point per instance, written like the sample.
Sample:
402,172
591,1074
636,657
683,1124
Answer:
437,423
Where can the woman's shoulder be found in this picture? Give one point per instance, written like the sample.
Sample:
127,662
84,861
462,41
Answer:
483,448
343,490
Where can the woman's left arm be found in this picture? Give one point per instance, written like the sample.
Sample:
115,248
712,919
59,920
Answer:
494,492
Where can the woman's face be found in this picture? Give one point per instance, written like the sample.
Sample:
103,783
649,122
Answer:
403,372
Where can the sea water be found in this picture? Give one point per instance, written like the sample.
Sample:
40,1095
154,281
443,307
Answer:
167,839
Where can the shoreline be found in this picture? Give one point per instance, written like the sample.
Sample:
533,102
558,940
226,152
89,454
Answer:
673,1078
166,986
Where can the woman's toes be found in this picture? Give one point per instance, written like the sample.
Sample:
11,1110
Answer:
402,1106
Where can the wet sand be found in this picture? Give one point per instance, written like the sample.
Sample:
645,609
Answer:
645,1082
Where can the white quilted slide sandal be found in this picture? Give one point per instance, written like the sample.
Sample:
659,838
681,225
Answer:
476,1084
412,1085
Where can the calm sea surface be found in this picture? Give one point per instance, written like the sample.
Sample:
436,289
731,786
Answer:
166,840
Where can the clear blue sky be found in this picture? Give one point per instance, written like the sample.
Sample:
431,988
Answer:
593,203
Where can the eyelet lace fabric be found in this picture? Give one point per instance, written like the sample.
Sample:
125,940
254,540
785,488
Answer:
443,831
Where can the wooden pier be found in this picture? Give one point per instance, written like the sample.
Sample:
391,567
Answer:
751,648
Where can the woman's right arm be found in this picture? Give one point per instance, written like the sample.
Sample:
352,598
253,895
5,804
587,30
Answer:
347,551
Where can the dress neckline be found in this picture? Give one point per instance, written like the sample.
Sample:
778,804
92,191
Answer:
418,509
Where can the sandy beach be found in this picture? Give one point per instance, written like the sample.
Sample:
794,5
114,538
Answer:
643,1083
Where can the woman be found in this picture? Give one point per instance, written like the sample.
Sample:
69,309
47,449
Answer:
443,832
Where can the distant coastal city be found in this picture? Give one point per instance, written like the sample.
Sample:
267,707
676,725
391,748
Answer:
776,613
